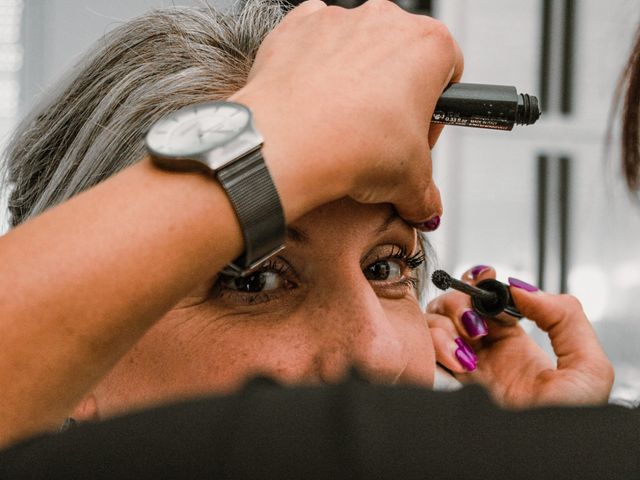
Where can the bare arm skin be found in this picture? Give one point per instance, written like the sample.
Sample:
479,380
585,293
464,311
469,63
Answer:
79,295
82,282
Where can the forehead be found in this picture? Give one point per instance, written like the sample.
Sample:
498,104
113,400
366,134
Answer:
346,220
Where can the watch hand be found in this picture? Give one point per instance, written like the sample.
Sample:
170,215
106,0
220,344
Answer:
215,130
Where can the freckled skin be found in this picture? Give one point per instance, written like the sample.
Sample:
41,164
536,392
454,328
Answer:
324,316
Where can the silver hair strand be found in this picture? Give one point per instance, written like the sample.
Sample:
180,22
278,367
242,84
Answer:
93,125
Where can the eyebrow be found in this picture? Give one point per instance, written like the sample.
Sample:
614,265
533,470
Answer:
390,219
297,236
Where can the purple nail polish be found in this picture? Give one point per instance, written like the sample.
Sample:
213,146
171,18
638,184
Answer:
477,270
430,225
468,351
468,363
474,324
514,282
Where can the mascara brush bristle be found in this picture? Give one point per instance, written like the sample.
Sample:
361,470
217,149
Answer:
441,279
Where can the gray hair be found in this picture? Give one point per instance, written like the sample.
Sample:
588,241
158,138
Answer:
94,124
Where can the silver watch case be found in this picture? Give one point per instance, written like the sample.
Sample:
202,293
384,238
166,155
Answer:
211,156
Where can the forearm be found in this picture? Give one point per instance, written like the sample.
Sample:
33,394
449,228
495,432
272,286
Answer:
89,277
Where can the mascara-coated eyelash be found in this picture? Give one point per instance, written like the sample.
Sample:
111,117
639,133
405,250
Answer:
393,270
411,261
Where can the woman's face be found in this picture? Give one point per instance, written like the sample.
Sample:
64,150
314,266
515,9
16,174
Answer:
340,294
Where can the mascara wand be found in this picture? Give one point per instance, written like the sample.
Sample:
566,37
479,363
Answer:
489,298
444,281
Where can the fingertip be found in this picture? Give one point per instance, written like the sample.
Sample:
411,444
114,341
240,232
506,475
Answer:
311,4
524,293
453,352
525,298
475,326
478,272
305,8
522,285
435,129
458,68
425,216
430,225
465,355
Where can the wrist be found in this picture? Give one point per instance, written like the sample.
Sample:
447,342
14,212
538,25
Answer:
300,171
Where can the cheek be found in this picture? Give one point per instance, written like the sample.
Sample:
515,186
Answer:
196,352
414,331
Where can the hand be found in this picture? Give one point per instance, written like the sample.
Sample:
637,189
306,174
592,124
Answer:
344,100
515,370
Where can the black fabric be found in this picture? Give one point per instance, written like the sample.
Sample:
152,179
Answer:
353,430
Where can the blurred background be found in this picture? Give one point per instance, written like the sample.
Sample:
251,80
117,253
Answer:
542,203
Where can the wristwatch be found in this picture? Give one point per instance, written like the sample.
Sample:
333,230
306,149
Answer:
220,140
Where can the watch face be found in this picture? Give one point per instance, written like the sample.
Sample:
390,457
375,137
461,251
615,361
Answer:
197,128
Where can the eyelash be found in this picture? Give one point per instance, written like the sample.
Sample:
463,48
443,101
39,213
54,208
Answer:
282,268
412,262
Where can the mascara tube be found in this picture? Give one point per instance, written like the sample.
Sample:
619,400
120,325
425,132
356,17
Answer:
497,107
503,301
489,297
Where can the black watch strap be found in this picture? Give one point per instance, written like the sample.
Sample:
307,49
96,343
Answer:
258,208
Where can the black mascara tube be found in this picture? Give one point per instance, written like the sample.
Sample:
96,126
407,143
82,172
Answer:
503,301
498,107
489,297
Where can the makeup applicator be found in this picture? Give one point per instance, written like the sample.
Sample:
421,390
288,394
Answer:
489,297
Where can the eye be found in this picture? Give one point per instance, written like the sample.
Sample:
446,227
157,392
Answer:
271,281
262,281
384,270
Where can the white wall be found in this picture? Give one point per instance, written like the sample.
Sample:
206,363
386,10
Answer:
57,32
488,179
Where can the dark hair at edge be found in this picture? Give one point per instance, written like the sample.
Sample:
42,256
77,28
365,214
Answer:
629,87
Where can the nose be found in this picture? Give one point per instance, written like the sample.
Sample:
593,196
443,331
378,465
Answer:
354,330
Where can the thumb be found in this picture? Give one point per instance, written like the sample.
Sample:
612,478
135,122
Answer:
572,337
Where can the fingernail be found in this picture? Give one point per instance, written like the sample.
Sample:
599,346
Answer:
465,355
467,348
474,324
477,270
514,282
430,225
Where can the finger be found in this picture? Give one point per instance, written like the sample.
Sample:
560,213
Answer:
434,133
418,201
449,59
455,75
303,9
440,69
572,337
456,308
449,304
458,66
453,352
478,273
